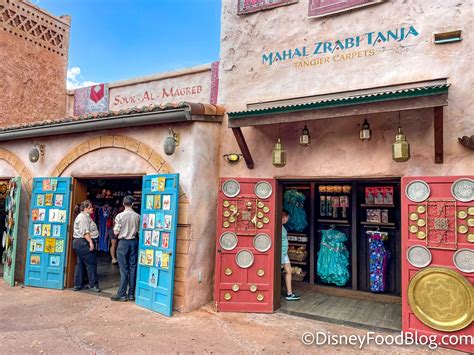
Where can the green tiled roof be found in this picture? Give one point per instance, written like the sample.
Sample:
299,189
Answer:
344,101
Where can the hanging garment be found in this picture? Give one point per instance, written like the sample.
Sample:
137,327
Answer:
293,202
104,217
378,256
333,258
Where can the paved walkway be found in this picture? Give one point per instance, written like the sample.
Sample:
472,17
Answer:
37,321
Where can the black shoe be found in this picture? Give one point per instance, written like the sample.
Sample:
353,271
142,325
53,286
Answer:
131,297
95,289
119,298
77,288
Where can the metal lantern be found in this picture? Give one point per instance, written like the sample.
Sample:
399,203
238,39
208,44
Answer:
36,152
365,132
400,148
279,154
171,142
305,138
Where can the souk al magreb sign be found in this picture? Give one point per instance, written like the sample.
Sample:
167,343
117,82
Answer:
344,49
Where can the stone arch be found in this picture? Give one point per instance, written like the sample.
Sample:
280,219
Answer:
17,164
122,142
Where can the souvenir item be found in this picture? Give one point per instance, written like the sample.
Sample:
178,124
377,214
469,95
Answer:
333,258
58,200
253,288
40,200
154,184
442,299
421,209
235,287
149,201
37,229
463,190
142,257
227,296
158,255
160,220
54,260
374,216
49,245
35,215
153,280
462,229
263,190
417,191
419,256
147,236
260,297
149,257
384,216
155,238
165,240
378,256
231,188
53,215
48,200
228,240
388,195
166,202
41,214
421,235
413,216
145,221
462,214
228,271
293,202
157,202
59,246
161,183
378,198
262,242
56,230
35,259
165,259
244,258
47,185
168,220
369,195
470,222
38,245
61,216
463,259
151,220
46,232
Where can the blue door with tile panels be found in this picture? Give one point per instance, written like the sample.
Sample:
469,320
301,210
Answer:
48,232
12,204
157,247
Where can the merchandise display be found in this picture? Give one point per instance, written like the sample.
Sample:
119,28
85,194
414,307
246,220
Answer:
333,258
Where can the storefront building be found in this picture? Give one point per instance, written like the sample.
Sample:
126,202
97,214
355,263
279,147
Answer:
371,221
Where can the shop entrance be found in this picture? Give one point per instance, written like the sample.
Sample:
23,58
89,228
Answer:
3,215
344,245
106,194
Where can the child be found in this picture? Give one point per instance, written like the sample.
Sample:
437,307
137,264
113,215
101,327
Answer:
285,260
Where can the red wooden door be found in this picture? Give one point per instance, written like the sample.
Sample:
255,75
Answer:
437,257
245,245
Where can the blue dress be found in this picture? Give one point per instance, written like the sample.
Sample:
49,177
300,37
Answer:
333,258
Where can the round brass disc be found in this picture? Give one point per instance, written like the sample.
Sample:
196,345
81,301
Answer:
442,299
266,220
227,296
260,204
421,223
260,272
470,211
260,297
462,214
226,203
232,208
226,224
253,288
266,209
463,229
259,225
421,235
232,219
226,213
228,271
235,287
421,209
259,215
470,237
413,216
413,228
470,222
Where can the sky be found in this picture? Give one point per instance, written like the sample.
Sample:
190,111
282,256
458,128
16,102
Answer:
113,40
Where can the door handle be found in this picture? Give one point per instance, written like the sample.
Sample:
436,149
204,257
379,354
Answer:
219,250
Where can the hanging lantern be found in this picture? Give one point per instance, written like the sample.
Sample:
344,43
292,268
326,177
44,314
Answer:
400,148
305,138
365,132
279,155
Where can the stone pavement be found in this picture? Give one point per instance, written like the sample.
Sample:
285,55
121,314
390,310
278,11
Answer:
36,321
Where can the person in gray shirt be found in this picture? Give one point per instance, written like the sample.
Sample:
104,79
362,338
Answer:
126,228
85,231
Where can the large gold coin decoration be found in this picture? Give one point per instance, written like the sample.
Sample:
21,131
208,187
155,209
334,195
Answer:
442,299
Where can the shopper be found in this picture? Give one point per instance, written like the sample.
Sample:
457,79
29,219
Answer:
126,229
285,260
85,232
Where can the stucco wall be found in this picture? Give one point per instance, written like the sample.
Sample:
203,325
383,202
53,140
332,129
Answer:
336,150
33,63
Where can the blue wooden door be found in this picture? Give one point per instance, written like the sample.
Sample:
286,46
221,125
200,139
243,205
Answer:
47,232
157,248
12,207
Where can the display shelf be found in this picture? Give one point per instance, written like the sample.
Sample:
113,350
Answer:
298,234
301,244
335,221
298,262
378,224
377,206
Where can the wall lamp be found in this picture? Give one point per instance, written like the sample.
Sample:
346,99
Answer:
232,158
171,142
36,152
